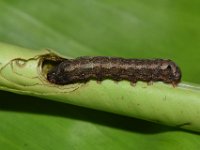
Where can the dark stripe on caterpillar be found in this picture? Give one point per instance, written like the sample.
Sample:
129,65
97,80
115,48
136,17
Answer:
83,69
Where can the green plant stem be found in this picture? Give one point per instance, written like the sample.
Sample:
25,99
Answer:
22,71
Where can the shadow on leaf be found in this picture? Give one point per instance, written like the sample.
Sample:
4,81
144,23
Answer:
28,104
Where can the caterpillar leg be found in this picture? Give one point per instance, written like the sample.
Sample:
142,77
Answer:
98,81
133,82
174,84
150,83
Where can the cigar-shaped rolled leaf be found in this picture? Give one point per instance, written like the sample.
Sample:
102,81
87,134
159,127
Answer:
24,71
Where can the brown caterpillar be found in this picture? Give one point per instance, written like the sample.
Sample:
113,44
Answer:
83,69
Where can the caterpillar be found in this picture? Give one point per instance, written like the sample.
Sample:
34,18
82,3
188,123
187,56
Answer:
83,69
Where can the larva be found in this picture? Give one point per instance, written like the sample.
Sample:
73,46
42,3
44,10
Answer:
83,69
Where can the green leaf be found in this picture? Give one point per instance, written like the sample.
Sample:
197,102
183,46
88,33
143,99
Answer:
25,72
165,29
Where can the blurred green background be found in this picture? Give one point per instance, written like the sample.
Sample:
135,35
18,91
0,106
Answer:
128,28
